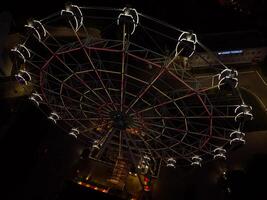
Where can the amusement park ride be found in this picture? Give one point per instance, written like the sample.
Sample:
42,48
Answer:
127,93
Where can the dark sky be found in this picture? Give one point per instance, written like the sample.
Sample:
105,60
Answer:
215,23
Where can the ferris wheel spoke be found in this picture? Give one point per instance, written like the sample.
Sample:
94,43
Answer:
93,66
161,23
149,147
221,128
73,73
47,62
105,141
168,97
134,161
65,80
178,130
104,108
76,109
84,119
163,103
135,147
184,143
123,80
153,40
188,117
83,126
172,74
171,101
165,146
154,79
69,98
189,87
66,107
189,132
158,134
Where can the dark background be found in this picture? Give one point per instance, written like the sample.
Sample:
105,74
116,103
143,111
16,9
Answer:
214,20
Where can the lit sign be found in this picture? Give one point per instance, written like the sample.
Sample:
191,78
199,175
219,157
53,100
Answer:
230,52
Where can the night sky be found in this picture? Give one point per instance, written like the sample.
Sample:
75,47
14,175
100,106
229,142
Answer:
212,21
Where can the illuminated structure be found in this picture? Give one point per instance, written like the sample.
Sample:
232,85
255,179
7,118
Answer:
124,94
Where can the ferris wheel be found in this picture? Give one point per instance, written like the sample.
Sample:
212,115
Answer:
120,82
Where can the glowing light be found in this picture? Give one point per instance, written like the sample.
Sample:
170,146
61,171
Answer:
228,74
243,112
74,132
92,187
35,25
22,51
54,117
188,37
230,52
35,97
196,161
237,136
23,77
99,129
96,144
243,106
219,153
171,162
133,14
76,13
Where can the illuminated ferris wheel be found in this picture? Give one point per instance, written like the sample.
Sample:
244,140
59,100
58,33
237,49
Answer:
120,82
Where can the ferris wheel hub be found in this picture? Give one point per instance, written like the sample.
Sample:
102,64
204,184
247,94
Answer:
120,120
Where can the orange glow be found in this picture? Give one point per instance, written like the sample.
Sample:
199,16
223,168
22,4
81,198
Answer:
93,187
99,129
134,131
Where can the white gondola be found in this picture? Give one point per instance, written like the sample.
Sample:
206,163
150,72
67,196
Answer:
237,137
54,117
219,153
171,162
196,161
228,79
144,164
36,98
74,13
37,28
130,18
74,132
23,77
243,113
96,145
186,45
22,52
